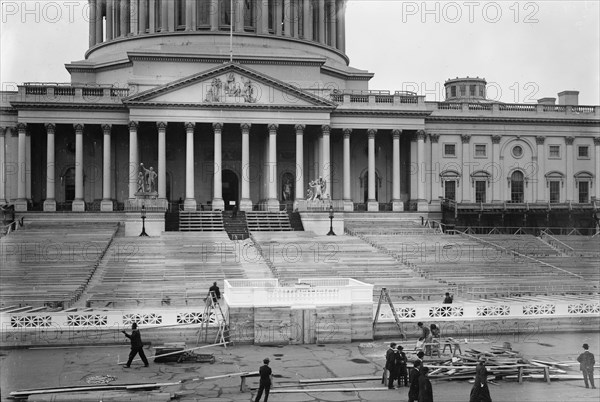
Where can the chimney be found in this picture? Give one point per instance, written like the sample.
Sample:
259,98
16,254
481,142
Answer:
568,98
547,101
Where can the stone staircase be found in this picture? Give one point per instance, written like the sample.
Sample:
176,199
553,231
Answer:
236,227
262,221
201,221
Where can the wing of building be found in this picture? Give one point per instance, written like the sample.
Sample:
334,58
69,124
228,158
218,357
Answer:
218,103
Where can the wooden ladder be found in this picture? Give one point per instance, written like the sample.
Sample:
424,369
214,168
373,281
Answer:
212,306
385,296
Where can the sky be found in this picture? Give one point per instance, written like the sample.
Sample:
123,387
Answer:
524,49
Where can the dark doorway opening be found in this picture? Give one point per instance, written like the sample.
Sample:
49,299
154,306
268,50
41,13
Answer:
230,189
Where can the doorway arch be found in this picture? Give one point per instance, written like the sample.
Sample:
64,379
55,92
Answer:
230,188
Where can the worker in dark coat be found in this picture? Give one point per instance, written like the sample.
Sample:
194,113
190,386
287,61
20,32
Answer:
586,365
480,391
390,364
425,390
217,292
413,378
266,376
401,361
137,346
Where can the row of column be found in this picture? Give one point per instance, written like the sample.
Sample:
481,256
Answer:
136,17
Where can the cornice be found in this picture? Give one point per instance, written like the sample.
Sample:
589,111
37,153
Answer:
86,68
515,120
386,113
87,106
352,76
206,58
233,106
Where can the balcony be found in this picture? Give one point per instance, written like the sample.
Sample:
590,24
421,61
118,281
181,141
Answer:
39,92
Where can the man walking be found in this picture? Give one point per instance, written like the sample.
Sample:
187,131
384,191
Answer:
266,375
137,346
586,365
413,391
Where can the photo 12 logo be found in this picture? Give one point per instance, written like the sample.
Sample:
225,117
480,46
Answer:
469,11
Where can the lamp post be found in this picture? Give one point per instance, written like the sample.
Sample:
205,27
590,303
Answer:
143,221
330,221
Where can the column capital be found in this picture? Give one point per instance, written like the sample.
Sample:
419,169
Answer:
245,127
189,126
299,128
539,139
106,128
371,132
50,128
21,127
326,129
596,141
569,140
347,132
273,127
396,133
161,125
217,126
496,139
78,128
465,138
421,135
133,125
434,138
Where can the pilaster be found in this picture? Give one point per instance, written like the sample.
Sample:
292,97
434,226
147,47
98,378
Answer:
189,204
372,202
50,201
217,203
78,202
246,201
106,205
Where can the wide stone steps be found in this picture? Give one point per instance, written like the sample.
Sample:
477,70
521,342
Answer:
262,221
201,221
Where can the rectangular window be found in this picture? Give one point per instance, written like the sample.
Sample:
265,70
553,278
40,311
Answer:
480,151
453,91
481,92
463,90
157,15
249,18
472,90
180,15
450,190
554,151
584,192
583,152
203,14
224,11
480,191
554,191
449,149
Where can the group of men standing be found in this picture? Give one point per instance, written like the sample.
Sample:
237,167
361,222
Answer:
418,381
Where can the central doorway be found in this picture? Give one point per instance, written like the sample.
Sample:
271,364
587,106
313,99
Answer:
230,188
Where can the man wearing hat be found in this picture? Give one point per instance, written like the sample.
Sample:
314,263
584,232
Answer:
137,346
480,391
266,375
390,364
586,365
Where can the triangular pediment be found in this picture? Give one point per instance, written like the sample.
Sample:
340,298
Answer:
230,85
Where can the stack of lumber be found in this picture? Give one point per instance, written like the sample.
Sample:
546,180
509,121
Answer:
502,363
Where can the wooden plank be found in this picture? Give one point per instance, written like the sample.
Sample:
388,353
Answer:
299,390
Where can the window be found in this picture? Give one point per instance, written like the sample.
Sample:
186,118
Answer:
583,152
517,188
180,14
449,149
554,151
480,186
472,90
517,151
584,192
450,190
249,17
463,90
554,191
482,91
480,151
224,11
203,14
453,91
157,15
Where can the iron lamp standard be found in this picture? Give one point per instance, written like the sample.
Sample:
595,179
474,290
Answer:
143,213
331,233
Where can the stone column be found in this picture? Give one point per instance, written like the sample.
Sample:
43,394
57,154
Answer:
3,173
307,20
397,204
152,16
217,202
466,159
278,11
109,20
434,177
189,203
332,21
164,15
287,18
272,200
239,16
50,201
372,203
541,171
92,24
246,201
294,14
299,193
262,23
134,17
348,204
162,160
128,17
28,165
214,15
496,170
189,15
99,22
570,179
134,167
107,203
341,25
321,21
143,24
78,202
597,167
21,202
421,185
326,172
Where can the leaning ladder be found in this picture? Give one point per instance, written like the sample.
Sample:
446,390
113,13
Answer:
212,308
385,296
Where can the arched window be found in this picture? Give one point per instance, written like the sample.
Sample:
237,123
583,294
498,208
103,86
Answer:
517,187
450,180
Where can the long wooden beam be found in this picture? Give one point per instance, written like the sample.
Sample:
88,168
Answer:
179,351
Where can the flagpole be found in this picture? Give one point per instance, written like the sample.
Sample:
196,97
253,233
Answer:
231,31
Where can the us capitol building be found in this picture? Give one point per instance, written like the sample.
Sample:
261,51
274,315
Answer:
211,104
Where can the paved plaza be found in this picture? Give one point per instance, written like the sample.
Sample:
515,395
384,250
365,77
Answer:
51,367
